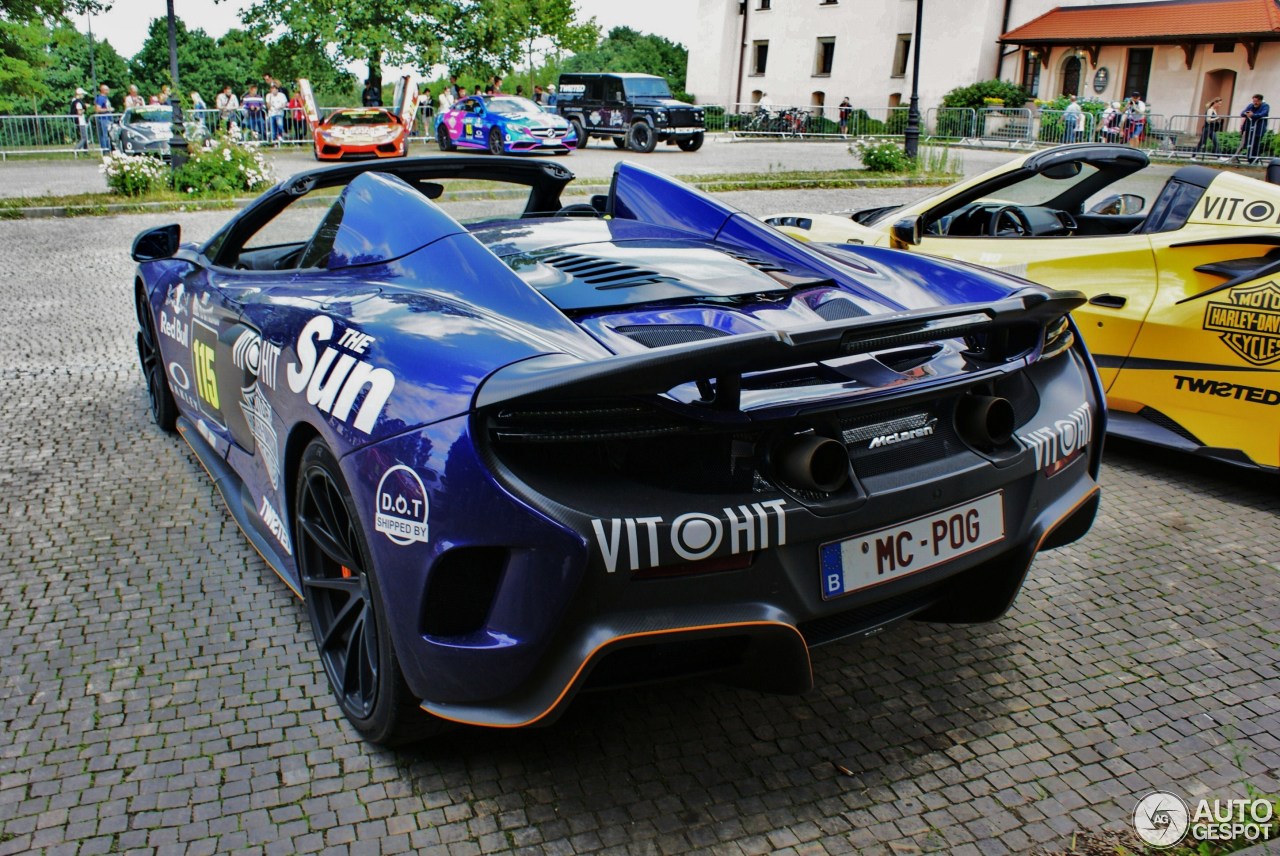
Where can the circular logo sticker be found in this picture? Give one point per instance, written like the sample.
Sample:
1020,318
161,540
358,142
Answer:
1161,819
402,506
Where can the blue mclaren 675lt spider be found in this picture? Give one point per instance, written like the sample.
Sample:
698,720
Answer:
508,444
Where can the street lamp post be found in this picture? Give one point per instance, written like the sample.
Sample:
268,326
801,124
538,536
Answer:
911,137
177,131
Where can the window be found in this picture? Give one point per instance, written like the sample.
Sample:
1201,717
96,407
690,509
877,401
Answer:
901,53
759,57
764,4
825,57
1138,72
1031,73
818,100
828,2
1071,76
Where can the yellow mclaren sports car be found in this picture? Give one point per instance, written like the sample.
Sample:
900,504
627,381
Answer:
1182,270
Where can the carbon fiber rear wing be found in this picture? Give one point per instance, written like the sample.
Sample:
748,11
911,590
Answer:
553,377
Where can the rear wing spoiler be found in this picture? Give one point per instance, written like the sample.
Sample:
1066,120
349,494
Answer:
559,376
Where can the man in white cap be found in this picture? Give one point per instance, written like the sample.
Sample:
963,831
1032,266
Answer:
82,121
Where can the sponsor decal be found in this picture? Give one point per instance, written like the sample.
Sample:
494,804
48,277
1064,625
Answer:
175,329
402,506
204,345
573,88
1057,442
1238,209
1226,389
1250,323
202,428
333,378
182,385
274,524
203,308
256,356
257,412
177,300
692,536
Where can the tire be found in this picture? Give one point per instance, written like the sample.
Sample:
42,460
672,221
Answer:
496,146
164,410
641,138
620,142
580,132
344,604
690,144
442,138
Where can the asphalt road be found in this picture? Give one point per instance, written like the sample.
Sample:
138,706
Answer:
159,694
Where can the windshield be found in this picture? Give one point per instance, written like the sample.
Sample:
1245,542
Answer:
360,117
1040,190
148,114
512,104
652,87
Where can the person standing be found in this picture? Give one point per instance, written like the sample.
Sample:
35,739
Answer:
228,105
1135,120
82,119
276,102
537,94
133,99
255,111
1212,125
372,95
1255,125
846,110
102,110
1073,118
296,118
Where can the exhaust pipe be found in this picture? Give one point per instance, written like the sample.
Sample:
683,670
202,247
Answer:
810,462
985,421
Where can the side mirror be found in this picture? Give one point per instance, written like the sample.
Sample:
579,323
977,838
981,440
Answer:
906,232
1120,203
155,244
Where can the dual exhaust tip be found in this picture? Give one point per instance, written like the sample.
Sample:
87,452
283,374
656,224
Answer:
811,462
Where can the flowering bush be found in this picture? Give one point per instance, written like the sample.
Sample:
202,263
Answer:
133,175
883,157
226,164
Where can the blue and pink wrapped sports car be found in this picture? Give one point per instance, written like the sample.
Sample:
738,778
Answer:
507,450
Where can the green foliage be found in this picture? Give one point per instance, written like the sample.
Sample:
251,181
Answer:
625,49
883,157
226,165
491,37
22,62
1053,124
973,95
69,67
134,175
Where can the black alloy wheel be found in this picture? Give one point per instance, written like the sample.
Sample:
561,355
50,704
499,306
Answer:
495,142
164,410
343,604
442,138
690,144
579,131
641,138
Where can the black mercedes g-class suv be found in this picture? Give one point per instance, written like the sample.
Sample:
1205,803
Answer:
636,111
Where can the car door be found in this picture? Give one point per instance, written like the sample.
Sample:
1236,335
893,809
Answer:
473,122
405,100
1208,356
1117,272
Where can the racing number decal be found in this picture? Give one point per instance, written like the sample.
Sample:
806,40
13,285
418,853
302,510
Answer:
204,343
206,380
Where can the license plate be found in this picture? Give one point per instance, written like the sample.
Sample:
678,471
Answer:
907,548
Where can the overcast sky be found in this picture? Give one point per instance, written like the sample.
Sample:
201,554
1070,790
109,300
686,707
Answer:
125,26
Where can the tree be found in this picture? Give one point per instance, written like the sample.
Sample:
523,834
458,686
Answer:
491,37
22,62
68,52
372,31
625,49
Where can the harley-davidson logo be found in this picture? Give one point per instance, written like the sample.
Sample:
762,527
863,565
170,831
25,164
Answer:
1250,323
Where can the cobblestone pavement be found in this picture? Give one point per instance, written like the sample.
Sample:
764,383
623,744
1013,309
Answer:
158,691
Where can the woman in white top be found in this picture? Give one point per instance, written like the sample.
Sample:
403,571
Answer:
1213,123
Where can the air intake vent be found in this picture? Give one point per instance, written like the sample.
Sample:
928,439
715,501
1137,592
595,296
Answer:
757,263
839,309
659,335
603,273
